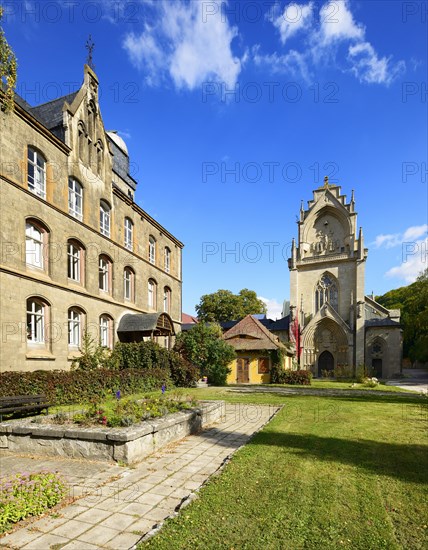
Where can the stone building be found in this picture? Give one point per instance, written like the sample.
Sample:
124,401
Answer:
332,321
77,253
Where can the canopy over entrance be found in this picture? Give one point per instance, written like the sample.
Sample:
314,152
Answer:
133,327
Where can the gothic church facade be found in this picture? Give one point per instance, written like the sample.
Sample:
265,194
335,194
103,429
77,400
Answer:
337,324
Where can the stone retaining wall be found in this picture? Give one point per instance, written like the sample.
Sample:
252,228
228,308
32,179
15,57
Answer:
127,445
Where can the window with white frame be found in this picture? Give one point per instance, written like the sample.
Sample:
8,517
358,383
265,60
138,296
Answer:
167,299
75,261
152,250
128,230
128,284
151,294
167,258
36,173
106,331
35,244
105,274
36,321
75,199
75,322
105,218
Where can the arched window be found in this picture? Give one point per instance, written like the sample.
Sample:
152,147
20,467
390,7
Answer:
105,273
151,294
75,199
128,232
75,261
75,327
82,140
326,291
105,218
37,320
36,244
128,284
92,110
106,331
167,259
100,154
152,250
167,300
36,173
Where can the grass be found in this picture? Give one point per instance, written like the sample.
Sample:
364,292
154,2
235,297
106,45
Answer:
326,472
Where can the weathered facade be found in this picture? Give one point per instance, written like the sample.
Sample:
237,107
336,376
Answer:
332,321
77,253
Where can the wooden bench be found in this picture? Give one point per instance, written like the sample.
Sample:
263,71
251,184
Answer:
18,405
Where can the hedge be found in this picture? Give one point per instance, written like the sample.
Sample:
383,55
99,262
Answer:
79,386
294,377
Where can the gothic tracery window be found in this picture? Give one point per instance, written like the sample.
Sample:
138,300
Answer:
326,291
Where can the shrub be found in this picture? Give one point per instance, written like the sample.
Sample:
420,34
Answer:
344,372
327,374
23,495
294,377
183,373
362,372
77,386
370,382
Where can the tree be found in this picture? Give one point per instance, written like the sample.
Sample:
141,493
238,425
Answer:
203,346
7,70
223,305
412,300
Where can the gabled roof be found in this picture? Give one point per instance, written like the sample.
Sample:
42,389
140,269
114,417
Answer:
259,337
50,113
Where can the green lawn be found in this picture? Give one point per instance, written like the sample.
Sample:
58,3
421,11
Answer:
326,472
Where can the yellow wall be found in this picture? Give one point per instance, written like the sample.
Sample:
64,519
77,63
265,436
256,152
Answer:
255,378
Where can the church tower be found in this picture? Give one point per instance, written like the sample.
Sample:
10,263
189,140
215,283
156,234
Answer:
327,270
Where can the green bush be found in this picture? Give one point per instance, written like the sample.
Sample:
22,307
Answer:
23,495
79,386
294,377
343,372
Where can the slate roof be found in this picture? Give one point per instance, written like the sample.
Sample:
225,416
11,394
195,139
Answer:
121,163
140,322
50,113
382,323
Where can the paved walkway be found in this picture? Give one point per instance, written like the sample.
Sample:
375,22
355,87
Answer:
119,505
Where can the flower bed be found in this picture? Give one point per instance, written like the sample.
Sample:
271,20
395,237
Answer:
125,444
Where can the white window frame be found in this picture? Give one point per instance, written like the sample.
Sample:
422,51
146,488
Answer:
151,294
167,258
36,319
128,284
167,300
152,250
104,267
74,262
128,233
75,199
105,332
36,164
74,327
34,245
105,219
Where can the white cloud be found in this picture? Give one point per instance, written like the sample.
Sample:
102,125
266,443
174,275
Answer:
185,45
274,308
368,67
415,260
295,17
322,38
410,234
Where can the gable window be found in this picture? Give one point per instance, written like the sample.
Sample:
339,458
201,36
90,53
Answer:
167,259
152,250
105,218
128,284
75,253
106,331
75,199
36,240
36,321
167,299
326,291
151,294
105,274
36,173
128,230
75,322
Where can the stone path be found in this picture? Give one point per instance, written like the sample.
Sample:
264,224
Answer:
119,505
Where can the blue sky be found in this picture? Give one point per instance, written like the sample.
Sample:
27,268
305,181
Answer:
233,112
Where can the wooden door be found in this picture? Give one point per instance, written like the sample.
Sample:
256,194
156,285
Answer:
325,362
242,370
